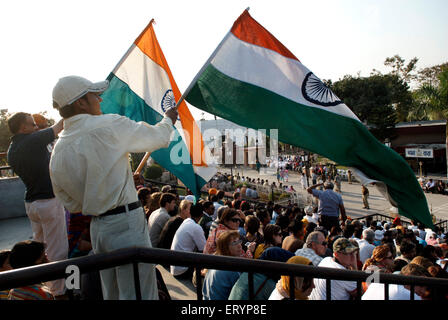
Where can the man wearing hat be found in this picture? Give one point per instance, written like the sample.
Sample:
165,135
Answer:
29,156
330,203
91,174
344,257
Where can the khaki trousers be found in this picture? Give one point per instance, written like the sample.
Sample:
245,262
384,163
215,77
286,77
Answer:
124,230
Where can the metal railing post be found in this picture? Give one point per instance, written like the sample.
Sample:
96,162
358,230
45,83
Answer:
292,292
250,276
328,289
198,283
386,292
359,290
138,293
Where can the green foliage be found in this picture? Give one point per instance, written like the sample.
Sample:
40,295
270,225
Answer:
430,75
405,72
374,100
431,99
153,172
5,134
135,159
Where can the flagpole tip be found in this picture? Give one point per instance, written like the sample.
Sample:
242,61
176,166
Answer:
248,8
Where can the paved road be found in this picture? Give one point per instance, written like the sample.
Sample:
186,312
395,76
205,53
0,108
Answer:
351,194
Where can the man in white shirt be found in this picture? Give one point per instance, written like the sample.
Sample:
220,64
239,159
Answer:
189,237
90,173
366,245
399,292
344,257
159,217
314,248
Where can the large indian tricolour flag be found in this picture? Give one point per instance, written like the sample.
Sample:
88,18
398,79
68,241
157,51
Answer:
255,81
143,88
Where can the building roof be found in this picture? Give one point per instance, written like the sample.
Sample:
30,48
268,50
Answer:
420,124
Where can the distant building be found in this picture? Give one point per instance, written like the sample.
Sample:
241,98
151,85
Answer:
422,141
242,149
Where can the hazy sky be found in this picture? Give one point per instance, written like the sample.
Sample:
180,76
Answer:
42,41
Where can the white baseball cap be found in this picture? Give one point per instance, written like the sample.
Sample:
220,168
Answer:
71,88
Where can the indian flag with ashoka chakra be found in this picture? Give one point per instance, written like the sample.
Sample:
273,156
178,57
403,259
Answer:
142,88
255,81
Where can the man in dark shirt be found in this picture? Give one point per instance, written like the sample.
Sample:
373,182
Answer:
29,156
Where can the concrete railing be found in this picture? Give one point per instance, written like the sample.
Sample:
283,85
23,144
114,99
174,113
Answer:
12,194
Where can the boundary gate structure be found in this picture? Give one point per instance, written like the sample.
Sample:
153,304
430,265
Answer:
57,270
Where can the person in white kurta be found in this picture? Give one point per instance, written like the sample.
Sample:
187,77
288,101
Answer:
90,173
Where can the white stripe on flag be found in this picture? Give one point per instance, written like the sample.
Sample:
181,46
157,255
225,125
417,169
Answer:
241,60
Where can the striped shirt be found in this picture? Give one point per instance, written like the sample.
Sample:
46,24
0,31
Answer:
310,255
4,295
34,292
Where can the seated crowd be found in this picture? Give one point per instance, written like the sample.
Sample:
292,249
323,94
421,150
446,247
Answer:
249,230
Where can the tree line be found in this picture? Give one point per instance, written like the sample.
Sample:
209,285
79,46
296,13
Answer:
401,95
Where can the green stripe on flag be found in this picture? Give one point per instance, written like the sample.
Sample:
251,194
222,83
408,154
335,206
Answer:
120,99
342,139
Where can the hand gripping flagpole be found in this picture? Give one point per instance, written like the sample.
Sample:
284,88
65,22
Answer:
145,158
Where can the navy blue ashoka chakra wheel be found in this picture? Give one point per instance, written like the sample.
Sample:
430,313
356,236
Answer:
315,91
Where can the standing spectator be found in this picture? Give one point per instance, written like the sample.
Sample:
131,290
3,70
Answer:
302,286
338,183
344,257
273,237
230,220
219,283
303,179
159,217
189,237
313,175
314,247
349,176
29,157
366,245
26,254
365,197
330,204
91,174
